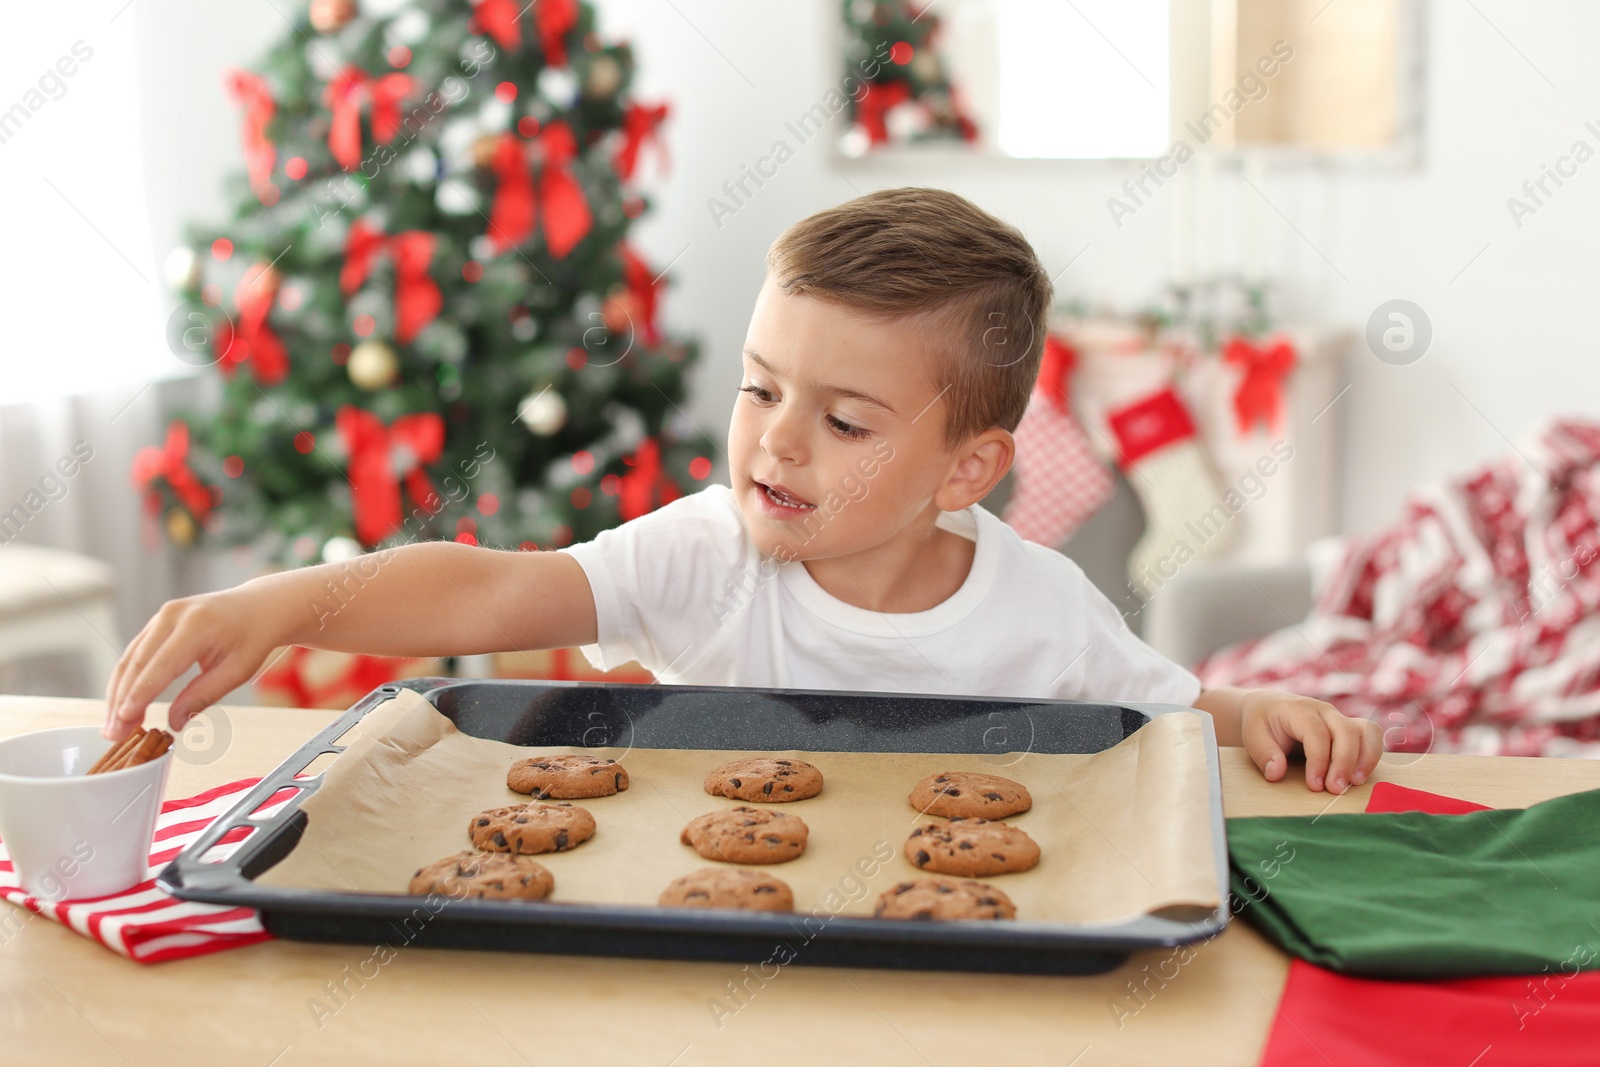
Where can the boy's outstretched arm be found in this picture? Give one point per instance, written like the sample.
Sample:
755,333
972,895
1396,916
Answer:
433,599
1340,751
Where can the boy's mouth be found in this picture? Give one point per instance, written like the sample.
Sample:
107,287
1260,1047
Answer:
780,497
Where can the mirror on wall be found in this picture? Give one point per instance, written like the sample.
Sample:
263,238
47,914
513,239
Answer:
1131,79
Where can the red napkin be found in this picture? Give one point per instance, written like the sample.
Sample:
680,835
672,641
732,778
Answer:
1536,1020
144,923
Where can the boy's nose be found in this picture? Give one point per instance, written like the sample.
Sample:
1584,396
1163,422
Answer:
784,438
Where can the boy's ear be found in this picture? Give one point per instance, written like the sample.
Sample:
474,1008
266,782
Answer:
978,468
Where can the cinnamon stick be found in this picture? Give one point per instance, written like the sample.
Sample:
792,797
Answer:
117,751
141,746
148,748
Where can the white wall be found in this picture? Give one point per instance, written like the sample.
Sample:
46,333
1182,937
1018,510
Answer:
1509,87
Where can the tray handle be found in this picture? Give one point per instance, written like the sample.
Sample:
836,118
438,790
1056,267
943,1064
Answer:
187,871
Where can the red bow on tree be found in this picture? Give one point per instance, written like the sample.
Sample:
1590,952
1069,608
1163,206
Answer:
566,212
636,274
640,124
875,102
555,18
498,18
1055,372
250,92
170,463
380,457
252,340
1259,398
647,486
417,299
345,94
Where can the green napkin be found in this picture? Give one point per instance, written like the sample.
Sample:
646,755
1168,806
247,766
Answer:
1410,895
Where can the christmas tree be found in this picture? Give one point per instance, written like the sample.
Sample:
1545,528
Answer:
908,96
425,314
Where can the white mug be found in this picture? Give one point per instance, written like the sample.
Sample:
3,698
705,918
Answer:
69,835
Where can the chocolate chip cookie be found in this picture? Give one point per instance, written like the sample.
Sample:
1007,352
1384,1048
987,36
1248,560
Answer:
763,780
746,835
531,828
967,794
484,876
575,777
944,898
971,848
728,887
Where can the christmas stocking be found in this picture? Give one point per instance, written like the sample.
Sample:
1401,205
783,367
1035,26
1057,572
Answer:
1060,481
1186,515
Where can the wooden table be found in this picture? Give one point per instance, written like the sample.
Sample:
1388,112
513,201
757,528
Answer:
64,999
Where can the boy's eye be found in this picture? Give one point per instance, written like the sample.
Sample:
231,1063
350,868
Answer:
852,432
756,392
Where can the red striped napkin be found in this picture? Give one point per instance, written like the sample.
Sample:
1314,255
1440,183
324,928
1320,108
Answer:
144,923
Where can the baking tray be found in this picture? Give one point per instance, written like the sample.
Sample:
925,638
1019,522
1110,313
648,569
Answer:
599,714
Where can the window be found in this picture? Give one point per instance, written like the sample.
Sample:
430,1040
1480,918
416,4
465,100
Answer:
83,298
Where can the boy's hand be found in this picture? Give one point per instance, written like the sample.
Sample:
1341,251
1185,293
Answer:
1340,751
223,632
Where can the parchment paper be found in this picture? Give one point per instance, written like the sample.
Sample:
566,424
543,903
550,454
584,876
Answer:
1123,832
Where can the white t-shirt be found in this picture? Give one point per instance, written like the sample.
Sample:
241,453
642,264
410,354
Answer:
684,591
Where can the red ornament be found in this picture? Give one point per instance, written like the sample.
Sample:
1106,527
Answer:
645,487
374,459
346,94
417,299
511,217
1055,372
250,338
643,288
640,124
566,214
250,92
875,103
1259,397
170,463
499,18
555,19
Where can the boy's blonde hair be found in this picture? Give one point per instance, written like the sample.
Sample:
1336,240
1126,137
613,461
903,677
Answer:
971,283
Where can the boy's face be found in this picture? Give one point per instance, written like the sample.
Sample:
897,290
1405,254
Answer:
836,442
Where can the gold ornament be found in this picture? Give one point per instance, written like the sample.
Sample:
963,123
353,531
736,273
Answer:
181,529
483,150
331,16
373,365
603,78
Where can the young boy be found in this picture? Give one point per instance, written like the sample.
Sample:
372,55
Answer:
892,351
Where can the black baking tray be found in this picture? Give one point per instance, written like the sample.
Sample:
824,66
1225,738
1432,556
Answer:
599,714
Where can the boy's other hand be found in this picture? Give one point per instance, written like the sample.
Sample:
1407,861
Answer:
223,632
1340,751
